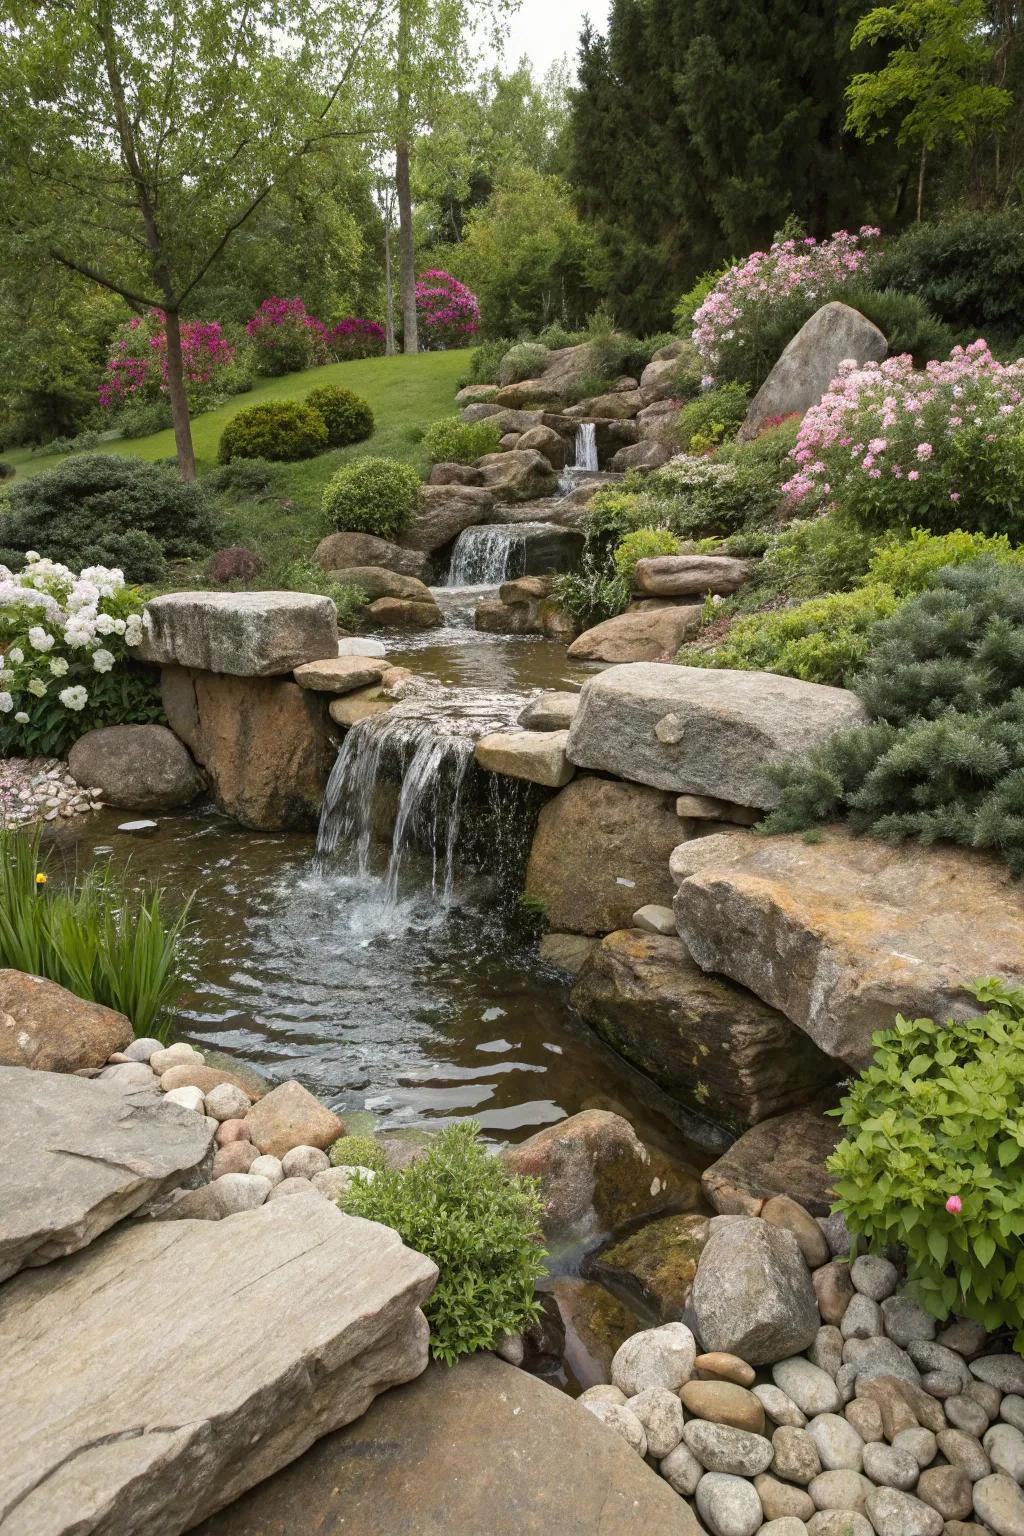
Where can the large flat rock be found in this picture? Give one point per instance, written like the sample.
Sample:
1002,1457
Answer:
843,934
81,1153
703,732
247,634
785,1155
162,1372
482,1448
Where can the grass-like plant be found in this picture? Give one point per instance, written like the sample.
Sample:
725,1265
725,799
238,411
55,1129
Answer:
98,938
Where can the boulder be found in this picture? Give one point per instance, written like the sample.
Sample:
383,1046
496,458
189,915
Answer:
455,474
660,421
658,381
612,436
476,394
524,607
246,634
405,613
444,511
752,1295
843,934
690,575
711,1046
784,1155
340,674
347,551
376,582
480,1447
79,1155
811,361
567,952
170,1412
600,850
657,1262
548,442
289,1116
137,767
639,635
650,453
521,474
263,743
551,711
703,732
537,756
44,1026
618,406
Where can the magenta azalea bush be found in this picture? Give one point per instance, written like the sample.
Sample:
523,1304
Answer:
136,369
757,305
940,448
448,313
286,338
354,338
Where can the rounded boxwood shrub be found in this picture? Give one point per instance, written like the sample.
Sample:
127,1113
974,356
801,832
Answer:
378,496
282,430
451,441
347,417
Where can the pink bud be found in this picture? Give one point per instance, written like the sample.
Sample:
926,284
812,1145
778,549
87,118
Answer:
954,1205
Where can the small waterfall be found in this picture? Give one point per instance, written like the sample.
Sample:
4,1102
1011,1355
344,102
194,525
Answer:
586,447
487,555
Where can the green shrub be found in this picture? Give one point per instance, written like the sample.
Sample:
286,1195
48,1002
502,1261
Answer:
523,361
378,496
644,544
479,1224
911,565
712,417
936,1116
905,321
304,574
102,938
824,640
346,416
248,479
451,441
97,502
816,555
968,270
143,417
768,452
485,362
282,430
357,1152
556,337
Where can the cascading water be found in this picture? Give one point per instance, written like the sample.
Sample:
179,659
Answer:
487,555
586,448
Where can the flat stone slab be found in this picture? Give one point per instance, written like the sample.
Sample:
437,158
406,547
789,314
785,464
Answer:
690,575
703,732
246,634
538,756
482,1448
161,1373
78,1155
340,674
782,1156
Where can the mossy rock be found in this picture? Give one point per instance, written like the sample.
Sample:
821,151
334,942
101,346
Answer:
657,1263
596,1323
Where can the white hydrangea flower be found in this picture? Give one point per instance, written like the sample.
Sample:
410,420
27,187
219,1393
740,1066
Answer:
6,703
31,556
73,698
105,625
39,640
119,626
133,630
58,666
16,656
21,717
102,660
37,686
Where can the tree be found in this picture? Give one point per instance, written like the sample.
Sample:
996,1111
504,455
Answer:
936,77
139,137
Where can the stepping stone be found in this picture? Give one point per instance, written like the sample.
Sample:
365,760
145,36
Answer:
158,1375
81,1153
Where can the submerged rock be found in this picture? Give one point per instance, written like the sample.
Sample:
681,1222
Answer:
596,1323
658,1262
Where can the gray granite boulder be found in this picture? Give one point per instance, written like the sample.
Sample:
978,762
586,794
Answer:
811,361
137,767
752,1295
245,634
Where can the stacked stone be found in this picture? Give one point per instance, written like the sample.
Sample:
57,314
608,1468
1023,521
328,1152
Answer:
826,1402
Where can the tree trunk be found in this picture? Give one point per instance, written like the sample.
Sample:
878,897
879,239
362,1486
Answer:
920,183
405,239
389,289
178,398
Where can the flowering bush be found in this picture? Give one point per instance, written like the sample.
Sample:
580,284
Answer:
448,313
939,449
64,642
354,338
137,366
755,307
286,338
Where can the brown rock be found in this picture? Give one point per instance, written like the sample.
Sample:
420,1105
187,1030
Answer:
779,1500
340,674
896,1412
548,442
289,1117
639,636
834,1290
201,1077
782,1156
691,575
781,1211
137,767
657,1262
866,1418
619,406
360,705
455,474
521,474
343,551
719,1366
723,1403
444,511
46,1027
405,613
376,582
947,1489
652,453
236,1157
231,1130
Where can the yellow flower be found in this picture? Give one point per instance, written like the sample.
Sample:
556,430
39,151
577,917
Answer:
40,879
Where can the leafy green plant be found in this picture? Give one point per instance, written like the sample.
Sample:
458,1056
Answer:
712,417
300,573
378,496
933,1158
345,414
485,362
643,544
101,939
816,555
139,418
905,321
967,268
523,361
910,565
246,478
357,1152
282,430
480,1225
451,441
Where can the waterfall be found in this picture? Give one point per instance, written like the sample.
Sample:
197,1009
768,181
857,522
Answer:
586,447
486,555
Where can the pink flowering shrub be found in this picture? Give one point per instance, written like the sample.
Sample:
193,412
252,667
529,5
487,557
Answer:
448,313
757,306
136,369
939,448
286,338
355,338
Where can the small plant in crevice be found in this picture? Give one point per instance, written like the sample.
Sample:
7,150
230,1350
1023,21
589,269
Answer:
357,1152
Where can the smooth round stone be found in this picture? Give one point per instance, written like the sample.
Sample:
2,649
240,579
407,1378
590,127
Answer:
811,1388
729,1506
603,1392
657,1357
781,1211
231,1130
947,1489
130,1075
716,1365
905,1321
680,1469
964,1413
622,1422
787,1526
873,1277
965,1451
890,1467
990,1398
846,1383
866,1418
142,1049
893,1513
837,1234
917,1442
965,1336
862,1319
999,1502
304,1162
928,1356
241,1192
1011,1409
288,1187
964,1528
1003,1371
723,1402
838,1444
880,1357
236,1157
178,1055
227,1102
795,1456
780,1501
1004,1447
779,1407
188,1098
268,1168
334,1183
833,1290
838,1522
840,1490
827,1350
661,1414
942,1384
720,1448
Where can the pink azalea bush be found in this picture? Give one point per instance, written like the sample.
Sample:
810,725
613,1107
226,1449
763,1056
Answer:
355,338
940,448
448,313
286,338
756,306
136,369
